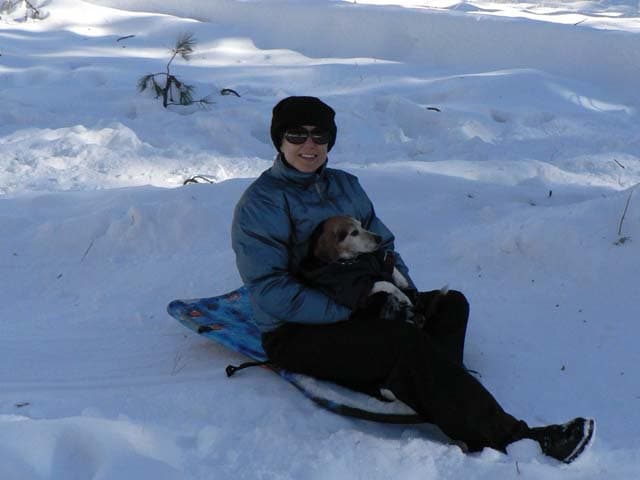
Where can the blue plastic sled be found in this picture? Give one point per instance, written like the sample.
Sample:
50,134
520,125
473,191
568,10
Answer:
227,319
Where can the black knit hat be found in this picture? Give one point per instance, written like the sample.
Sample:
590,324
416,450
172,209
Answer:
298,111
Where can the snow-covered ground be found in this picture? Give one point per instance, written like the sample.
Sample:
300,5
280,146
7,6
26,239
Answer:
498,140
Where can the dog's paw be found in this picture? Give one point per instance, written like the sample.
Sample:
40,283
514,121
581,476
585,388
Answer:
396,311
416,319
391,289
402,298
399,279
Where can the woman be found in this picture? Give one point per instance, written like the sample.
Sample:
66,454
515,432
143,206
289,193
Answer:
304,330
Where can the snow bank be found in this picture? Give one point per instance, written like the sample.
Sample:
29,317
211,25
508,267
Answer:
85,447
457,41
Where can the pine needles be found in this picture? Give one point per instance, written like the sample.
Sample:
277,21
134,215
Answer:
166,85
30,9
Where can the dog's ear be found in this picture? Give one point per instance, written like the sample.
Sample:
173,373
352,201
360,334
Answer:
321,244
315,237
325,250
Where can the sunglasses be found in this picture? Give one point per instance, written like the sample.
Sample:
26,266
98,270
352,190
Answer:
298,136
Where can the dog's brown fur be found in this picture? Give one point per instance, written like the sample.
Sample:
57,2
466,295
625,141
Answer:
342,238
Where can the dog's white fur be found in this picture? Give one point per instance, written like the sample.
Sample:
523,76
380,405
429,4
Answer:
343,238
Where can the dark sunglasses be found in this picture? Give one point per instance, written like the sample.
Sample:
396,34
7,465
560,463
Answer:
298,136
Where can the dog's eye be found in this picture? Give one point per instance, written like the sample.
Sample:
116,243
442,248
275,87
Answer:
354,233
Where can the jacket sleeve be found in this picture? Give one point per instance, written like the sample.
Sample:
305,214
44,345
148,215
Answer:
372,223
260,236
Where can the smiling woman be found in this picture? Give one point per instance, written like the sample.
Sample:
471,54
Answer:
305,148
303,132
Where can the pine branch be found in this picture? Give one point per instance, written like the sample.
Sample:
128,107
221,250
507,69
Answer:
143,82
185,45
186,94
156,87
36,12
9,6
167,94
173,86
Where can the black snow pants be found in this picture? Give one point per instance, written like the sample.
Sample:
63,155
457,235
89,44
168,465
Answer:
423,368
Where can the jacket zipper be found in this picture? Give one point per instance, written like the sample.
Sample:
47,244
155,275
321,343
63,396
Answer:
318,189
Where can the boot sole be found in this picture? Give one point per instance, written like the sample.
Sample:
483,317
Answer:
587,440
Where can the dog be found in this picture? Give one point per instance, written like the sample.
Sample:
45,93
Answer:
334,249
341,239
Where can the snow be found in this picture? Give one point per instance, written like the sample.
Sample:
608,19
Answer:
499,141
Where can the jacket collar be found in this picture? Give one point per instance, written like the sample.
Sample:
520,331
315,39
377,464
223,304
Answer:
281,169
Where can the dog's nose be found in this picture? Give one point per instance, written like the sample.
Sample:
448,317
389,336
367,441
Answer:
377,238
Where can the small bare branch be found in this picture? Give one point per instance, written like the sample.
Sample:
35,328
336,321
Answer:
624,212
86,252
619,164
178,364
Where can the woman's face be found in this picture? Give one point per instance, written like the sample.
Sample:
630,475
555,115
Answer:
306,157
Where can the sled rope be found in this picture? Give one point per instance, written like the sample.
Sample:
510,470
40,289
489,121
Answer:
232,369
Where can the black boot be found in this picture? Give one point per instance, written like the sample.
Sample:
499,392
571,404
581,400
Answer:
565,442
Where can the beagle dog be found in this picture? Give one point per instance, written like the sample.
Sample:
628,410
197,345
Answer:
342,238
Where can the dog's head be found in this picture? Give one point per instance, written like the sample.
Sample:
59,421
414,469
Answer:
342,238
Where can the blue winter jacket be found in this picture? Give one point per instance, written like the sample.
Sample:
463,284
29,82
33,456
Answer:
272,224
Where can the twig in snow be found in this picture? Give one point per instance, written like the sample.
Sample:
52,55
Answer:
229,91
624,239
177,368
86,252
624,212
198,179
